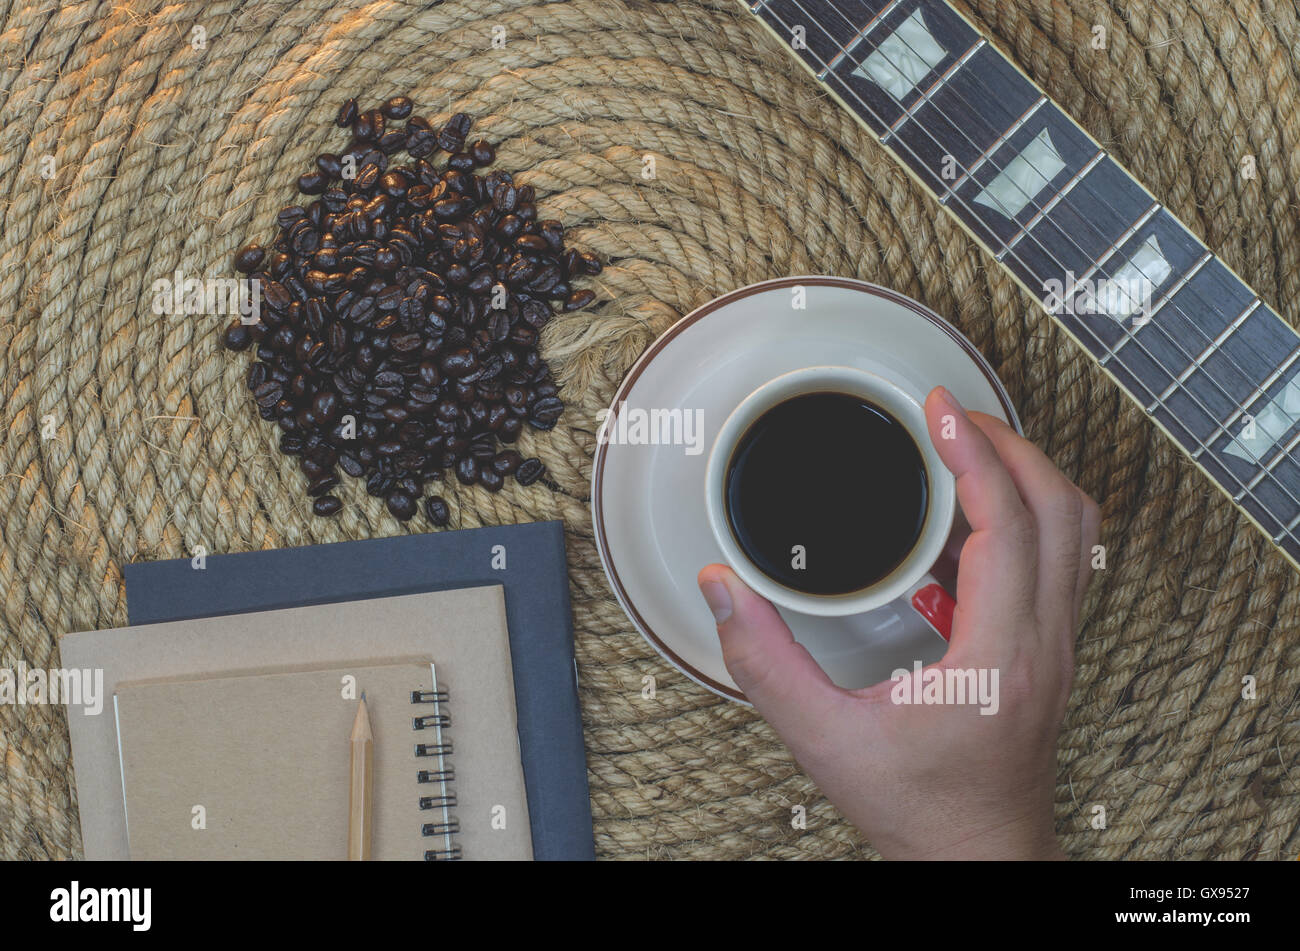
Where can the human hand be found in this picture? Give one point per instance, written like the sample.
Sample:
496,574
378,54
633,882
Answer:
945,781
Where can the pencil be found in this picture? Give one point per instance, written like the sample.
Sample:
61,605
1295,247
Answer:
361,796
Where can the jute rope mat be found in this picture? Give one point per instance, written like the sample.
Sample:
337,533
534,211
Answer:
167,157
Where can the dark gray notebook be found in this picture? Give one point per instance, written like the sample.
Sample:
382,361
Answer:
535,578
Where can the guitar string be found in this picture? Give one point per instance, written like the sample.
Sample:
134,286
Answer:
1084,186
1193,363
1246,491
1266,472
1169,302
1265,469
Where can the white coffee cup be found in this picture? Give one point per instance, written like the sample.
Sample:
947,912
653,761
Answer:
911,577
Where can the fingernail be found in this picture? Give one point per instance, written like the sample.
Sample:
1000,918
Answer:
718,599
950,400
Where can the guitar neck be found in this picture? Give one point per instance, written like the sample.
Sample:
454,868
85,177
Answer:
1214,366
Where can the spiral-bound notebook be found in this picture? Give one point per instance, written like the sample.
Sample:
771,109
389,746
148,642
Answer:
463,631
255,766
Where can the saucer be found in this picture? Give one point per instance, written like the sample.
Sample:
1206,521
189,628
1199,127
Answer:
647,489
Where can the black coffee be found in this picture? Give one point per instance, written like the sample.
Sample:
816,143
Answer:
826,493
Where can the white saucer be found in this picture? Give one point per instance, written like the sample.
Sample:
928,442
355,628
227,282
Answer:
648,500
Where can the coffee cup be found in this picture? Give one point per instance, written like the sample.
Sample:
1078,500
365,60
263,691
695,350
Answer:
910,577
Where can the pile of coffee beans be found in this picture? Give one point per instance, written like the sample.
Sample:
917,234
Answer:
400,313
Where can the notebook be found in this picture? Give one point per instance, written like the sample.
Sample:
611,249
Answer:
534,575
463,631
256,766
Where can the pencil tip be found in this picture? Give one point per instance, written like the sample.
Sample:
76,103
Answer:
363,695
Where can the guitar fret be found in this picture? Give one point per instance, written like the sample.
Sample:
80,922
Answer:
1259,476
1287,531
934,87
861,35
1182,282
1052,203
1119,243
989,152
1206,258
1196,363
1245,404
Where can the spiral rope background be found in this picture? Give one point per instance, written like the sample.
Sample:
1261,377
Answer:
168,157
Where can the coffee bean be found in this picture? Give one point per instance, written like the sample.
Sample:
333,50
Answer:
506,462
249,257
329,165
579,299
553,232
436,508
531,242
322,484
467,470
237,337
490,479
325,406
399,107
452,136
394,140
461,161
382,351
395,184
401,505
545,412
269,393
288,215
459,363
419,143
326,505
364,128
572,262
451,208
312,183
529,472
305,241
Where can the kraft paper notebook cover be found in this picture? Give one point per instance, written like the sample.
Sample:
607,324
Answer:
536,582
463,630
256,766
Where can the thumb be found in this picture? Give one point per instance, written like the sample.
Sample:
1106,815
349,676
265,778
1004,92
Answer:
777,674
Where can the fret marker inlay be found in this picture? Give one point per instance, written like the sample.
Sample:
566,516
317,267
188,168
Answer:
900,62
861,35
1024,177
1133,285
1272,423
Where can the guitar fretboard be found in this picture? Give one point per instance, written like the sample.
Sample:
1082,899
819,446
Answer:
1195,347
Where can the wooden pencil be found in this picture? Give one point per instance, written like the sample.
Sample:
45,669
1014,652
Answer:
361,797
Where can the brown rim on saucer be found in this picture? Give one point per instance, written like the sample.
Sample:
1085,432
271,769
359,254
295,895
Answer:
598,468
